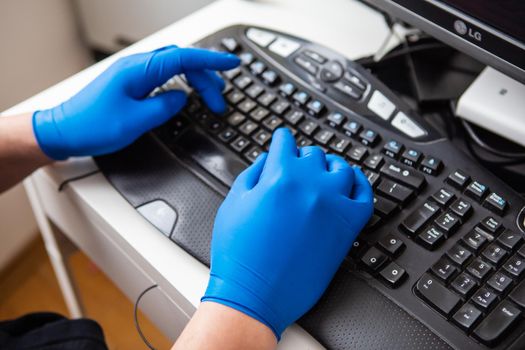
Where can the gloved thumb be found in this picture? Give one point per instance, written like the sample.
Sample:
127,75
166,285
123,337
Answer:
157,110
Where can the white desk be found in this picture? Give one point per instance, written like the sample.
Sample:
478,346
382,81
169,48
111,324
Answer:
100,222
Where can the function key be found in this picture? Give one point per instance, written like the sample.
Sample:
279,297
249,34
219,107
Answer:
437,295
443,197
373,259
515,265
369,137
411,157
464,284
257,67
287,89
431,165
306,64
391,244
323,136
476,191
230,44
348,89
458,254
458,179
351,128
497,323
332,71
315,107
357,153
491,224
270,77
300,98
246,58
294,117
510,239
335,119
315,56
431,238
484,298
461,208
495,254
392,149
495,203
467,316
479,269
354,79
393,274
500,282
339,145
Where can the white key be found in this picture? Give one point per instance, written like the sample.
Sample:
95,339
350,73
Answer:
381,105
284,47
405,124
260,37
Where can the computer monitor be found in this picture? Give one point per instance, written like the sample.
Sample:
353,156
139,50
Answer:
492,31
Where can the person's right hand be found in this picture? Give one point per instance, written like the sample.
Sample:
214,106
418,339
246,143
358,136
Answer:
284,229
113,110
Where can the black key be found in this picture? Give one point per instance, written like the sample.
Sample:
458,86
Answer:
448,222
395,191
259,114
358,247
495,254
235,96
248,127
484,298
458,179
300,98
495,203
261,137
479,269
510,239
240,144
230,44
287,89
354,79
374,162
369,137
214,125
411,157
497,323
351,128
500,282
476,191
374,221
464,284
232,73
335,119
235,119
443,197
243,81
246,58
303,141
392,245
521,251
272,122
294,117
373,259
431,165
384,207
280,107
315,56
323,136
444,269
257,67
315,108
419,218
267,99
393,274
349,89
270,77
518,294
306,64
227,135
404,175
339,145
431,238
461,208
515,265
437,295
491,224
255,90
467,316
392,149
253,153
246,106
373,178
475,239
357,153
332,71
459,254
308,127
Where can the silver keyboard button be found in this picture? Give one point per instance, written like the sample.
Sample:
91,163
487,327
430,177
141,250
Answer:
405,124
381,105
260,37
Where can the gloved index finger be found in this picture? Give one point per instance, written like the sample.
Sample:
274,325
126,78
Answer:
199,59
282,146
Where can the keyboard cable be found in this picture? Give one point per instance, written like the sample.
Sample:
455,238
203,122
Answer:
136,316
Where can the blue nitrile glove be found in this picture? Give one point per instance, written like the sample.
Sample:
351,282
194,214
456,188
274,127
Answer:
112,111
284,229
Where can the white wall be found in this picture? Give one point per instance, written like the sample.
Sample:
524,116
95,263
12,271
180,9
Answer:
39,46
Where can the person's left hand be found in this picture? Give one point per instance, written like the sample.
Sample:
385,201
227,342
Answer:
113,110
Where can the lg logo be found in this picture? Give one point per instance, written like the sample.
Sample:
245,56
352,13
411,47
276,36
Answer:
462,29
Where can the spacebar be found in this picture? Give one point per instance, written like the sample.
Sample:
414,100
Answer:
214,158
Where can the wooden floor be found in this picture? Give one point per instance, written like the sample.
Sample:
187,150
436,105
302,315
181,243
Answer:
29,285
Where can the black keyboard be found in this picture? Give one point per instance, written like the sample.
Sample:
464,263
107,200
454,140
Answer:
446,240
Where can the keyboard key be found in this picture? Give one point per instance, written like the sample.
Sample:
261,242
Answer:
474,240
303,141
411,157
257,67
357,153
461,208
308,127
235,119
261,137
259,114
392,245
395,191
272,122
459,254
306,64
246,58
431,165
300,98
444,269
495,254
443,197
447,222
243,81
518,294
437,295
515,265
521,251
240,144
267,99
255,90
476,191
419,218
270,77
232,73
404,175
373,259
490,224
280,107
248,127
349,89
392,149
495,203
464,284
479,269
369,137
358,247
339,145
497,323
332,71
484,298
374,221
230,44
384,207
246,106
315,108
374,162
323,136
294,117
351,128
253,153
227,135
500,282
393,274
510,239
315,56
458,179
354,79
467,316
431,238
235,96
335,119
287,89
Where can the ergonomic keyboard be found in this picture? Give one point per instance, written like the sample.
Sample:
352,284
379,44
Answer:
441,262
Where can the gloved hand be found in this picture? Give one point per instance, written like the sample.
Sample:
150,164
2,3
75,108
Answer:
284,229
112,111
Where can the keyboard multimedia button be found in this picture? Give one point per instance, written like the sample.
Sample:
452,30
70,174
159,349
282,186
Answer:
411,157
467,316
348,89
354,79
392,149
306,64
315,56
497,323
227,135
436,294
381,105
393,274
332,71
284,47
260,37
406,125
